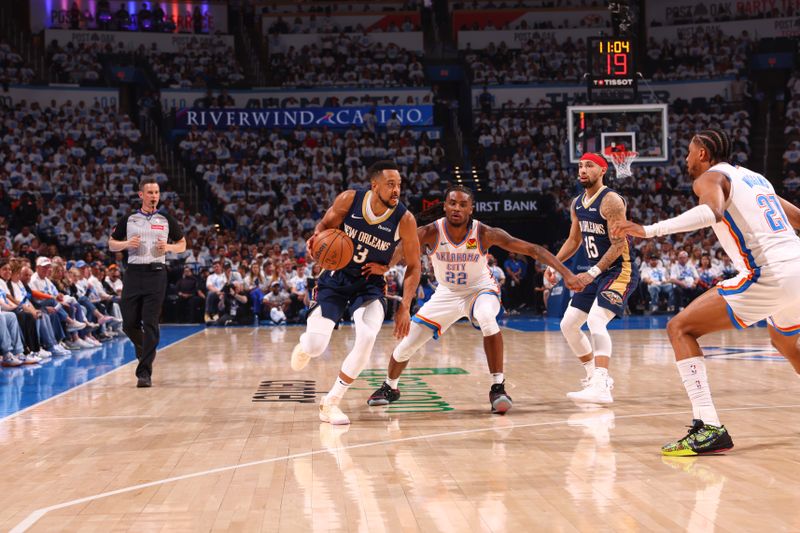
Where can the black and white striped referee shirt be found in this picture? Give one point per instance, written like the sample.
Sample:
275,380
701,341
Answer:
150,228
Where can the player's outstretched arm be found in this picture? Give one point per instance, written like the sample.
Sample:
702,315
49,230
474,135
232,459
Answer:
710,191
334,216
490,236
409,240
792,212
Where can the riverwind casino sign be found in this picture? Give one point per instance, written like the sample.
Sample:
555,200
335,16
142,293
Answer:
312,117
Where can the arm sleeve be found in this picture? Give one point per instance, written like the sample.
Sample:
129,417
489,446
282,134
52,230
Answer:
120,231
695,218
175,231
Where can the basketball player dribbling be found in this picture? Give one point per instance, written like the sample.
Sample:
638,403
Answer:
608,283
377,222
457,246
755,227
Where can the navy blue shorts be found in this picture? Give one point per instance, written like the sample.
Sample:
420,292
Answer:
611,289
338,291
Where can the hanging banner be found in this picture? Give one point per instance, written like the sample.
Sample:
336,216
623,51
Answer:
340,117
669,12
756,29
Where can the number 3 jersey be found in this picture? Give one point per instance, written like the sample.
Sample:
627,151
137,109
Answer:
755,232
374,237
461,266
595,231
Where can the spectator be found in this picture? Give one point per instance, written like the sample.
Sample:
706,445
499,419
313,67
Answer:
654,275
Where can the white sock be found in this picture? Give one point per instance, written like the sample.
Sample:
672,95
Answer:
695,380
498,378
588,366
336,393
392,382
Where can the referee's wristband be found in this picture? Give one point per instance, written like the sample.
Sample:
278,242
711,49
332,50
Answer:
594,272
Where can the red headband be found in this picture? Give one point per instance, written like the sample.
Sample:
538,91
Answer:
594,158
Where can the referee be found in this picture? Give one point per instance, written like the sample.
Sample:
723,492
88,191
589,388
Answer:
145,234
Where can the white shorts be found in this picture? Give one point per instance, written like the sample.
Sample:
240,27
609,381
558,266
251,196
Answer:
446,307
774,298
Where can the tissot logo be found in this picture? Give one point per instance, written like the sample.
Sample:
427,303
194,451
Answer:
286,390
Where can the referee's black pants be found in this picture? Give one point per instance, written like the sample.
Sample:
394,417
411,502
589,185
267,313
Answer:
143,294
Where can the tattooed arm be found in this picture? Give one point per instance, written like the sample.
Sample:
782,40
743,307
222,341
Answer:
613,210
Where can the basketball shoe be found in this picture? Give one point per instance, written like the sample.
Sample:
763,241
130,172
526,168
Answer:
384,396
597,389
299,358
701,439
331,414
501,402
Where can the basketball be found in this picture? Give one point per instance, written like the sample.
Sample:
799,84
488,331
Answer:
333,249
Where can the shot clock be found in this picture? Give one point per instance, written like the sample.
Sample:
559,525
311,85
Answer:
612,73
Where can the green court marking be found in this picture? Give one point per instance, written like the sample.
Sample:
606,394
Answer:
416,396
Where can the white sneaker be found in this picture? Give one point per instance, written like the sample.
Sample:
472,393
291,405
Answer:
598,390
84,343
299,359
332,414
44,354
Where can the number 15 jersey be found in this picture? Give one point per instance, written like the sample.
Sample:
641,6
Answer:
595,231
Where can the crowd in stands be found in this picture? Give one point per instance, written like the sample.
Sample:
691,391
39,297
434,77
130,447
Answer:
50,307
538,60
791,132
348,60
12,67
198,63
701,56
78,64
259,178
326,24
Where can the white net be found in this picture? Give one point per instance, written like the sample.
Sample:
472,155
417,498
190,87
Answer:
622,162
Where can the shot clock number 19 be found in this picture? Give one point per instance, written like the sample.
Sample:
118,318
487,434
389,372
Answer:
617,54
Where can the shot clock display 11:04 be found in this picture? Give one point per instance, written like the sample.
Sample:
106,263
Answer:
612,73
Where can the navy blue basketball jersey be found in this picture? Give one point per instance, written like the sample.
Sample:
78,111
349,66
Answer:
595,231
374,238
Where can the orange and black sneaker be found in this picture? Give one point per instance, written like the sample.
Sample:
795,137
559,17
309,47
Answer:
384,396
702,439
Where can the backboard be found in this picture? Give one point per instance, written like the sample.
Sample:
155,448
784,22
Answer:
641,128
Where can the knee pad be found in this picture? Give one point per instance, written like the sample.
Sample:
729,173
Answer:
598,320
571,324
368,321
411,343
318,333
484,313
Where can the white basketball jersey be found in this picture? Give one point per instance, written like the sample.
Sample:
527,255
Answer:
461,266
755,231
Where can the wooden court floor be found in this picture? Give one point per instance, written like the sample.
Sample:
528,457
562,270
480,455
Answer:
228,439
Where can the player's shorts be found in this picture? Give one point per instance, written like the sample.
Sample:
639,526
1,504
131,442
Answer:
446,307
776,299
611,289
338,291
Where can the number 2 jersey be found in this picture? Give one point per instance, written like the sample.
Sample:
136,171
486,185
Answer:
595,231
461,266
754,231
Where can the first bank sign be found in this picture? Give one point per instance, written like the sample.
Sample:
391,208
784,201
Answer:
313,117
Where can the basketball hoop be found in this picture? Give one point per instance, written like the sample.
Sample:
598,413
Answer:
621,159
